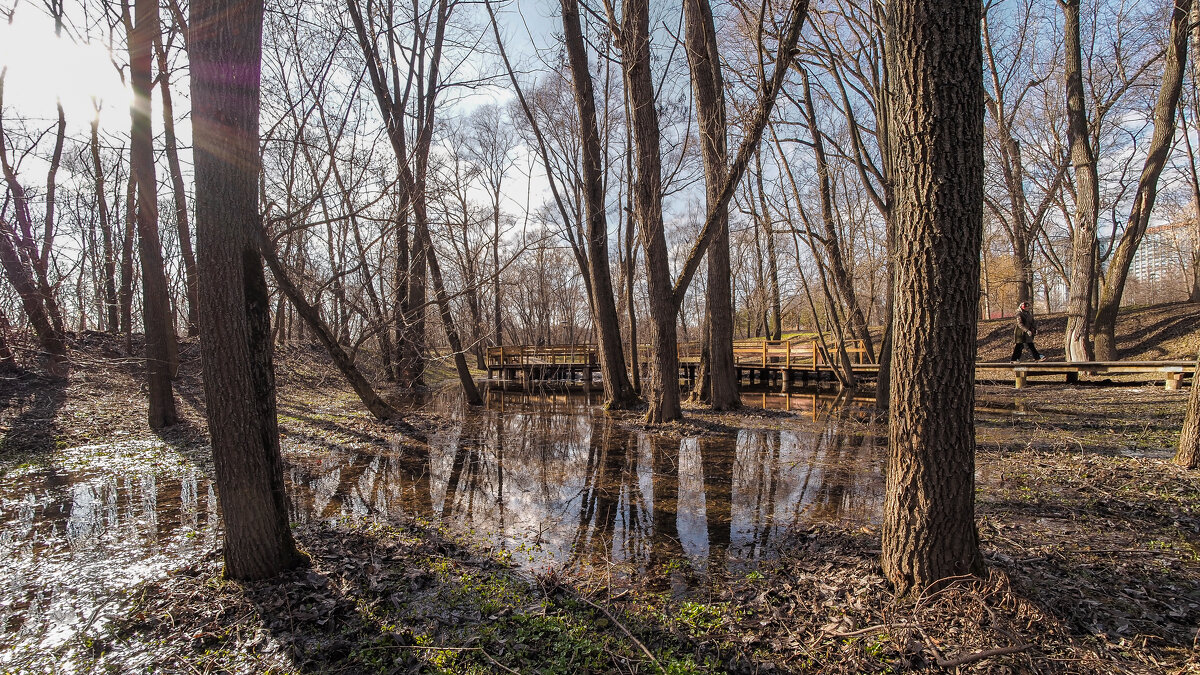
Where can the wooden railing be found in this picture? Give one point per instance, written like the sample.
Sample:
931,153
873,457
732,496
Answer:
803,352
526,355
794,353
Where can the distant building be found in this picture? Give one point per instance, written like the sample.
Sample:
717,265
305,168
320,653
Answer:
1165,252
1164,264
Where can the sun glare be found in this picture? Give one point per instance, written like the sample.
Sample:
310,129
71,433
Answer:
43,69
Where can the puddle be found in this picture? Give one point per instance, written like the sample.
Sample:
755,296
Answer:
547,477
555,482
76,534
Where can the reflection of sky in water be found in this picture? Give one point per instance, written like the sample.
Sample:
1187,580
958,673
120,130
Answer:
77,535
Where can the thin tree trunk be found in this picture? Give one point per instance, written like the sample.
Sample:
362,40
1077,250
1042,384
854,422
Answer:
618,391
112,315
470,391
934,62
312,318
178,191
156,311
843,282
127,268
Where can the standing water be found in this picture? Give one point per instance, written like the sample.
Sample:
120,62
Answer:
548,477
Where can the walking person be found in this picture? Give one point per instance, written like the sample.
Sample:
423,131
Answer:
1023,332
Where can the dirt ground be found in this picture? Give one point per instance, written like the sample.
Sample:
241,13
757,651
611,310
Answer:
1091,537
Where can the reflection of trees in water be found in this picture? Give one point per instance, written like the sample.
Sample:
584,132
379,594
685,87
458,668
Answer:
783,479
590,492
666,545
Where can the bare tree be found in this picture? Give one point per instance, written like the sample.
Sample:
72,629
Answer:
1169,93
718,376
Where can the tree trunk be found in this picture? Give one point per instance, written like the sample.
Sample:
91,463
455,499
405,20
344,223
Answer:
1143,202
1188,454
156,311
618,392
239,376
178,191
843,281
127,270
934,63
439,290
709,89
663,392
312,317
111,314
1077,341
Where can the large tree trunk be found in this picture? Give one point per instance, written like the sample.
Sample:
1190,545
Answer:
1077,341
1188,454
663,392
239,377
1143,201
934,64
618,392
156,310
720,375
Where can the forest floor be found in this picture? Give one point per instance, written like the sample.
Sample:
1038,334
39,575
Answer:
1090,534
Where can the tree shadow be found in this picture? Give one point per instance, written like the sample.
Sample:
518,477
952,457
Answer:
397,598
29,404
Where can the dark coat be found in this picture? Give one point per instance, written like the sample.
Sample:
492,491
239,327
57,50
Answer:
1025,327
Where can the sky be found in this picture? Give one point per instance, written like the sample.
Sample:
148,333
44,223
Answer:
42,68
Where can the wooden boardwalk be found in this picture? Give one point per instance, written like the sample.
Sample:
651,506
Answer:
783,362
763,361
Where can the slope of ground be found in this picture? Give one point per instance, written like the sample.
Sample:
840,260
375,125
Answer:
1165,332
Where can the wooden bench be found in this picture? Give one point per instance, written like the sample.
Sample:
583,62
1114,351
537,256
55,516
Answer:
1171,372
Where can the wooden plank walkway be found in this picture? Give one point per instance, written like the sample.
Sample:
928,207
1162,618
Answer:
784,361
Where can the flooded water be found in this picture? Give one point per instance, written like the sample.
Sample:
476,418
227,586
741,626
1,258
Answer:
548,477
78,533
552,479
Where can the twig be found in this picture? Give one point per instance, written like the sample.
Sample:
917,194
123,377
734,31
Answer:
868,629
977,656
497,663
623,628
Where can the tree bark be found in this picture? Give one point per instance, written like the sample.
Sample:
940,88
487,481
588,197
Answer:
1077,341
663,389
1188,453
618,391
708,85
156,311
934,64
1109,302
239,376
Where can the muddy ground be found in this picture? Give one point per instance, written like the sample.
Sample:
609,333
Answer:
1091,535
